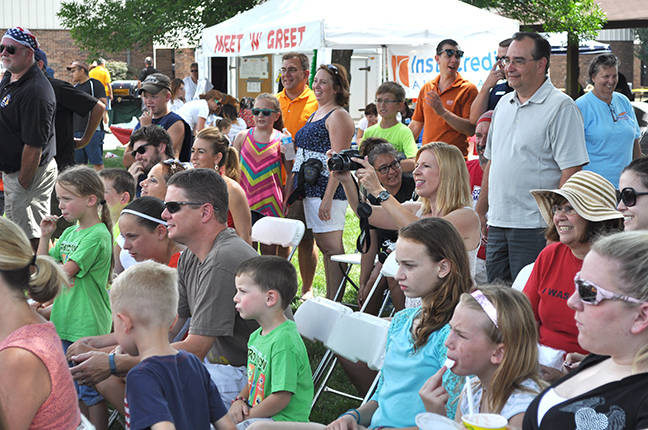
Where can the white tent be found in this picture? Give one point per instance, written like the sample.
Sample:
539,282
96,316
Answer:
301,25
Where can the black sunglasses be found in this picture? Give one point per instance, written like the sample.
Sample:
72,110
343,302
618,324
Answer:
174,207
629,196
265,112
141,150
10,49
333,68
452,52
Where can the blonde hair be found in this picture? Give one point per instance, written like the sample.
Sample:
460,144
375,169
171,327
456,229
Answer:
629,250
87,182
16,260
220,145
517,331
454,182
148,292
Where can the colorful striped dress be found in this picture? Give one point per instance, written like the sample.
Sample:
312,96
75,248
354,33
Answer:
261,177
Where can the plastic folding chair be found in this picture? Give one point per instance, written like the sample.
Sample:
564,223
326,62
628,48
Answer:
315,320
388,270
522,277
349,260
278,231
356,337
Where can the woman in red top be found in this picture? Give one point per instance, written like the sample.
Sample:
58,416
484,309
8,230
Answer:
576,213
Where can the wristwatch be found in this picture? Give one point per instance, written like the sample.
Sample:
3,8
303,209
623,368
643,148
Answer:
383,196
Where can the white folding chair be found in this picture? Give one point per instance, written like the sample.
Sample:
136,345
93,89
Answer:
349,260
279,231
315,320
522,277
388,270
356,337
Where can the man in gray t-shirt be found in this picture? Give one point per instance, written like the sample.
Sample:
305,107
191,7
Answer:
536,141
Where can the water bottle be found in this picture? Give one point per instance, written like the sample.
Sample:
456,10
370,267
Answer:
289,146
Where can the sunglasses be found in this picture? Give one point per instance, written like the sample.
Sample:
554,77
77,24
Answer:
452,52
141,150
591,294
333,68
629,196
194,71
395,165
11,49
174,207
615,118
265,112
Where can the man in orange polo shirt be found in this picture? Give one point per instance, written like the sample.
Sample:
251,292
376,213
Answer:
297,104
443,105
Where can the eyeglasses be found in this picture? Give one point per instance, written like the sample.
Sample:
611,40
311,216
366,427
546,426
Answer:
567,210
194,70
613,113
174,207
289,70
517,62
385,101
452,52
11,49
591,294
395,166
265,112
629,196
141,150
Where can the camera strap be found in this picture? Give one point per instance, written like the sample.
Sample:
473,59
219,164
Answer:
363,243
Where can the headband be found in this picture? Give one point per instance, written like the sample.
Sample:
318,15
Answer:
141,215
486,305
22,36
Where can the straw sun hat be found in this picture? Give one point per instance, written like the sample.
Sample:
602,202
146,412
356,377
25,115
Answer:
591,195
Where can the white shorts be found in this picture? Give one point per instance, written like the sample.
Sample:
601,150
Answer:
338,215
229,380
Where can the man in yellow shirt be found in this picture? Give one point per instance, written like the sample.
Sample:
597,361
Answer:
297,104
102,74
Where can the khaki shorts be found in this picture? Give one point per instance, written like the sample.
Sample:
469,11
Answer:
27,207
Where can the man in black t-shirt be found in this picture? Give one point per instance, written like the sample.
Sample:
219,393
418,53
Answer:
93,151
148,70
27,142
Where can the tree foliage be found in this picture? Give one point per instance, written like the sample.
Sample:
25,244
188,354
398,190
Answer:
117,25
581,19
641,50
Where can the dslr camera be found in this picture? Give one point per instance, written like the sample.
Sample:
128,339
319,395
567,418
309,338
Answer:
342,160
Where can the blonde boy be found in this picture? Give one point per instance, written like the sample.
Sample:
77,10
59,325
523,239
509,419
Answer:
390,97
280,385
168,389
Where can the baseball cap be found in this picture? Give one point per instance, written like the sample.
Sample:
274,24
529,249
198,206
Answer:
155,82
39,55
78,64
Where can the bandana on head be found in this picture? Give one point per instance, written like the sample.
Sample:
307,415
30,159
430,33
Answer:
487,116
22,36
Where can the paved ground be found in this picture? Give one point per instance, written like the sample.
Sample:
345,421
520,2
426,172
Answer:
111,142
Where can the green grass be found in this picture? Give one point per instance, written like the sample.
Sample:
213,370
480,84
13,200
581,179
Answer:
330,406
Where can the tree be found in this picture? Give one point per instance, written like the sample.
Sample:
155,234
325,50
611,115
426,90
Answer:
581,20
118,25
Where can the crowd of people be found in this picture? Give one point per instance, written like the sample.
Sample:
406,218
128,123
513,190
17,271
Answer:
141,287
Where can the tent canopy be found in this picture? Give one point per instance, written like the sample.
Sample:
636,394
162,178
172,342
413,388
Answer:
301,25
558,43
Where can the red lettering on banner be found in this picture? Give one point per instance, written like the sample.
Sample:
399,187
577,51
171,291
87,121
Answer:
255,39
301,34
228,43
286,37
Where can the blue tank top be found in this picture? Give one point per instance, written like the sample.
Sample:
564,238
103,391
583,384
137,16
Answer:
313,141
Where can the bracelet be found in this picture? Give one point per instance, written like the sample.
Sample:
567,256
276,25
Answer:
240,398
349,412
111,361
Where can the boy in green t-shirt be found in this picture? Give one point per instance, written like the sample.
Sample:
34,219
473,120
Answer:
390,97
280,385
